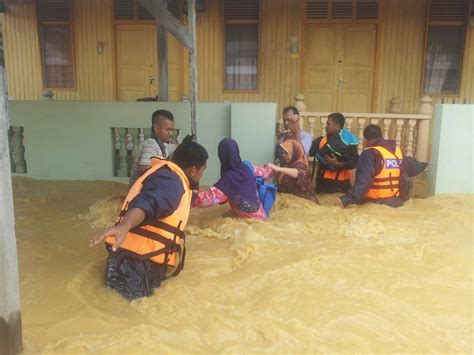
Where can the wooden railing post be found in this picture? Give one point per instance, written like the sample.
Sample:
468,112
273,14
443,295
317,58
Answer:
423,129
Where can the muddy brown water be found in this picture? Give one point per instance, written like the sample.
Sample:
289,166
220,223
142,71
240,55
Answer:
311,279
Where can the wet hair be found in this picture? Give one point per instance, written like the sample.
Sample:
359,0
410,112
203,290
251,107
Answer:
337,118
160,115
190,154
293,110
372,131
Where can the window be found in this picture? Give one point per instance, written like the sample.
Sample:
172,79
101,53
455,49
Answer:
445,45
241,44
56,43
133,10
346,10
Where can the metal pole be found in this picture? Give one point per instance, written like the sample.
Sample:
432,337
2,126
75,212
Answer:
10,315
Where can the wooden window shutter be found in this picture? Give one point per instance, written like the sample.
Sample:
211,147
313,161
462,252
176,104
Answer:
143,14
53,10
367,10
342,9
174,6
123,9
241,9
448,10
317,9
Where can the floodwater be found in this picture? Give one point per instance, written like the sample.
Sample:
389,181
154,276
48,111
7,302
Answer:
311,279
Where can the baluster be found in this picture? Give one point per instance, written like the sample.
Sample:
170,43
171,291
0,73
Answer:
135,139
349,121
141,139
398,132
311,121
323,119
361,122
374,121
18,151
386,127
410,138
116,150
122,155
129,146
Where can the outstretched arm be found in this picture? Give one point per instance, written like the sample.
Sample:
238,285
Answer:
212,196
291,172
132,218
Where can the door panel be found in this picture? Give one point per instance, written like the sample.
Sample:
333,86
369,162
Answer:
357,68
320,68
338,67
132,50
137,63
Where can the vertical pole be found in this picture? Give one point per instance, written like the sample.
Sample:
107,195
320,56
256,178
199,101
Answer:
193,75
162,47
10,315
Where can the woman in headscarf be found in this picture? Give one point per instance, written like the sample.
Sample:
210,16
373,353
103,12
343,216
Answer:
237,184
294,176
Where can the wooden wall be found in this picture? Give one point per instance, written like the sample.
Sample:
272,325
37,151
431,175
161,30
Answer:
401,35
400,56
278,72
94,73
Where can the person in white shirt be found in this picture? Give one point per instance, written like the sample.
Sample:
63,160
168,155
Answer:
157,145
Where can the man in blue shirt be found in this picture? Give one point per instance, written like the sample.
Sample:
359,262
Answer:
291,124
154,201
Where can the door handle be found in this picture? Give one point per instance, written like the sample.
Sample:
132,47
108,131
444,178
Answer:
151,79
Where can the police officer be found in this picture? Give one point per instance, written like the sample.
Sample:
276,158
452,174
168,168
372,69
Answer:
383,174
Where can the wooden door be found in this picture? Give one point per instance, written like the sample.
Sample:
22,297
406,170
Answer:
320,67
356,70
134,56
338,67
137,63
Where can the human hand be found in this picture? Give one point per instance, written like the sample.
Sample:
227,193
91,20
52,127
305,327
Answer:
274,167
330,160
119,232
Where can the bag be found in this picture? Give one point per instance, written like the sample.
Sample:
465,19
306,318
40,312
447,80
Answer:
266,190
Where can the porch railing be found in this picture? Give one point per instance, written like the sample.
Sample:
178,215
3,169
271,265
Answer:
410,131
127,146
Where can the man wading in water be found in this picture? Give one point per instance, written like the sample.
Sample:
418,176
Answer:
146,246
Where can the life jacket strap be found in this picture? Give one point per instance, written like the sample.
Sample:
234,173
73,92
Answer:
170,244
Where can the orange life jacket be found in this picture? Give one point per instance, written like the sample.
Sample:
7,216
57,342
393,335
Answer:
387,183
340,175
163,240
